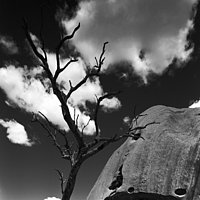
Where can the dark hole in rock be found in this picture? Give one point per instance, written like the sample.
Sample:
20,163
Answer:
131,190
139,196
117,182
180,191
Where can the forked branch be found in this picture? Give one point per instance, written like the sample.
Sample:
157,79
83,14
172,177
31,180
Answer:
92,73
58,48
60,70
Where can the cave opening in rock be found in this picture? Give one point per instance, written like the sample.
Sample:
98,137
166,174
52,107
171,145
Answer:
118,180
130,190
180,191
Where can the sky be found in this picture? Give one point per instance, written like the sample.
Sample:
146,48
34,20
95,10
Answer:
152,57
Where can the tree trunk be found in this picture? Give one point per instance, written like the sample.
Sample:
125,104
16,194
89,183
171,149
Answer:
71,182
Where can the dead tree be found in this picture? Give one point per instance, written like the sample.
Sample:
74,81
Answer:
83,150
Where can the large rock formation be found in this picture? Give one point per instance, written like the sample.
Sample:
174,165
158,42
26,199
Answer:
165,165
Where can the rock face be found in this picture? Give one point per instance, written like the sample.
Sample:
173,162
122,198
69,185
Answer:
165,165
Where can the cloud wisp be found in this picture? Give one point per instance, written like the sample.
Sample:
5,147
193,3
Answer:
16,132
159,29
8,45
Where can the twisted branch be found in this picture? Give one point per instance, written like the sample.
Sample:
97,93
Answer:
61,43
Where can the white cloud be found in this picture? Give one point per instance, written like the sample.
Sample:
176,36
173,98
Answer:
195,105
52,198
30,94
160,28
111,104
127,120
16,132
8,45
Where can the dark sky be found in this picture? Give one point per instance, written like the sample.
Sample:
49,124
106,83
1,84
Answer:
152,57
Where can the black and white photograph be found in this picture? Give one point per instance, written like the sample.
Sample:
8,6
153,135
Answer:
100,100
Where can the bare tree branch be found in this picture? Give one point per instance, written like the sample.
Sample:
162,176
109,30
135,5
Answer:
142,127
62,133
28,36
61,178
56,90
101,58
52,136
77,121
103,141
60,70
136,117
62,41
41,30
54,139
85,126
99,100
90,74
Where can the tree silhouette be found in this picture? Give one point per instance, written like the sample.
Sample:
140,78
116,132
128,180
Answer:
75,154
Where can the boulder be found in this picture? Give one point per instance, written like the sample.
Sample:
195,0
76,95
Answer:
163,165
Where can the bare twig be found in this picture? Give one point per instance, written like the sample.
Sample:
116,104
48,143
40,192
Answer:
90,74
41,35
136,117
74,113
53,137
58,71
62,41
28,36
101,58
142,127
61,178
99,100
85,126
42,59
77,120
104,141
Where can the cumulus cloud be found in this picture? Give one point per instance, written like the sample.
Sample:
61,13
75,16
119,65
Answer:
31,94
52,198
157,27
8,45
16,132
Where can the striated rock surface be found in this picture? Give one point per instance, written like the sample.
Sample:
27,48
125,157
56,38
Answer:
166,165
